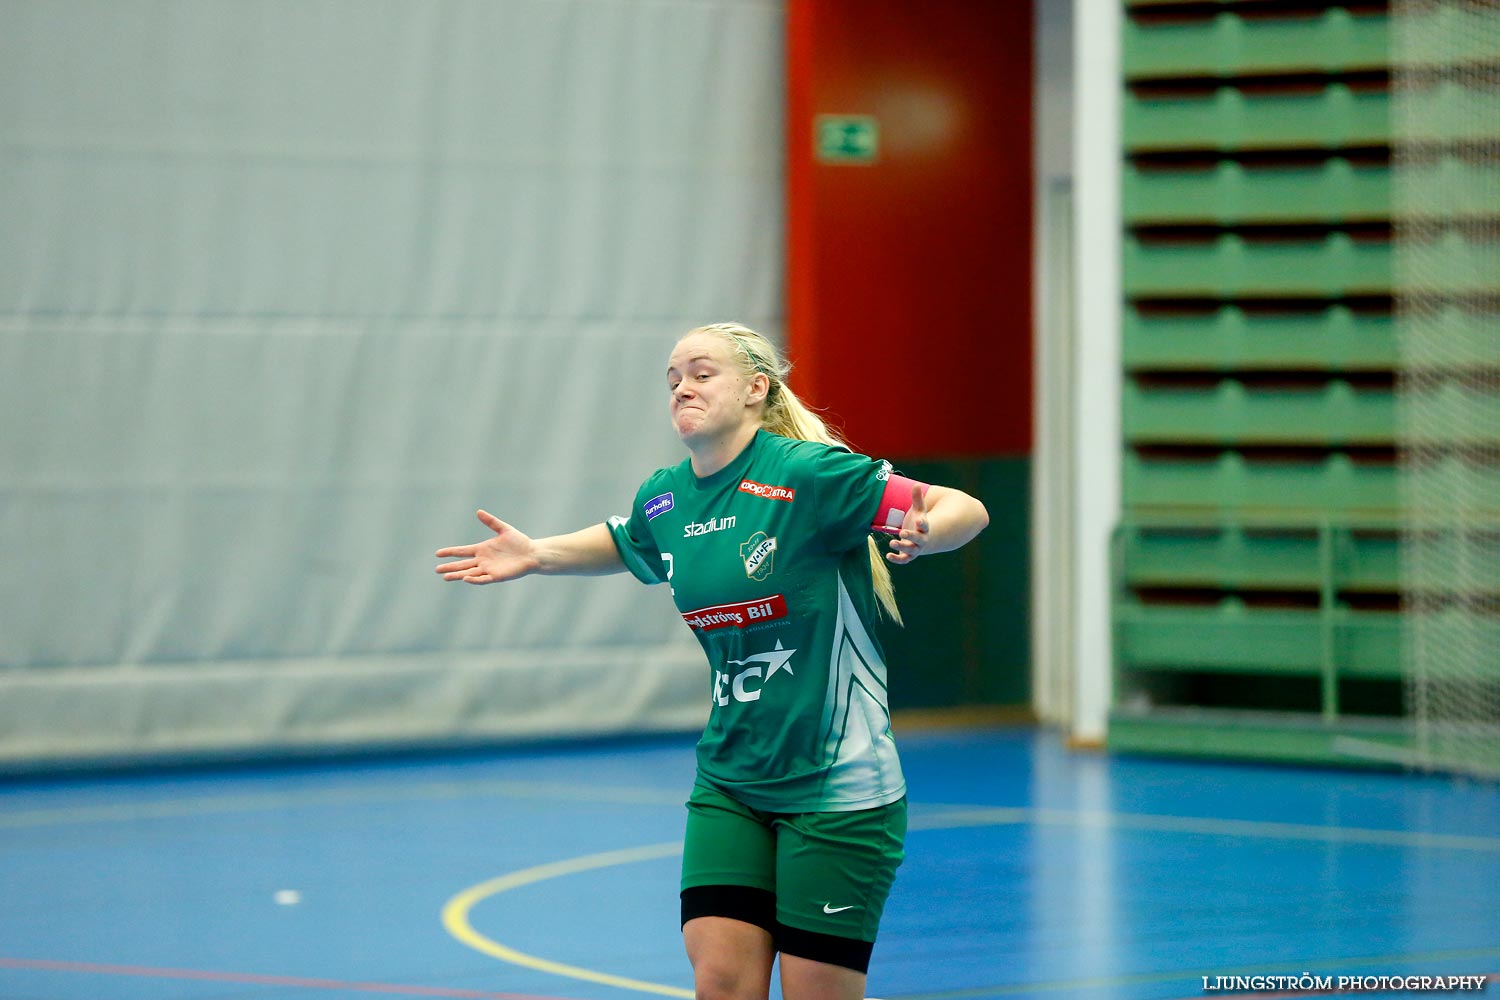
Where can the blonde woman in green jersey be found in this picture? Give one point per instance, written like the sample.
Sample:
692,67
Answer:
764,533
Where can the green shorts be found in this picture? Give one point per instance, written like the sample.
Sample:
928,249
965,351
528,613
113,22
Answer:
830,871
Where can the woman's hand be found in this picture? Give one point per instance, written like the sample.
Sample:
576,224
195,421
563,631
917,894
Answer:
508,556
914,531
940,520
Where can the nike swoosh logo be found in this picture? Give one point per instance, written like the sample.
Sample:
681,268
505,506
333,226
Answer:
836,909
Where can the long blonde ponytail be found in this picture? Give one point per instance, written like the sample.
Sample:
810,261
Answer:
788,416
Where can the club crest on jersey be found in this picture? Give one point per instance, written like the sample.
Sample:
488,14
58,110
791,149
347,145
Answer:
759,554
767,492
657,506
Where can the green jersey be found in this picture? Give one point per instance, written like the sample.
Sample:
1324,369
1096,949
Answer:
768,563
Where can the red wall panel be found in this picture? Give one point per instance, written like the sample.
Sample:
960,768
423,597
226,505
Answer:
909,279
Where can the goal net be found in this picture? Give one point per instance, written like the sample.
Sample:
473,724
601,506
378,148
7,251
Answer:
1446,211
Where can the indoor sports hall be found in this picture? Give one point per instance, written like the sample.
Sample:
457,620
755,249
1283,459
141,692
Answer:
1198,299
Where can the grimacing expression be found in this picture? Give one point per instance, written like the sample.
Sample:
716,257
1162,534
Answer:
710,396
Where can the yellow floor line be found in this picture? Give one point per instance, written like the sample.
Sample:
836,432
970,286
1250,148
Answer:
456,915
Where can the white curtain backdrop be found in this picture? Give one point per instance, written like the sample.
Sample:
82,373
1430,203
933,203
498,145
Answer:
287,289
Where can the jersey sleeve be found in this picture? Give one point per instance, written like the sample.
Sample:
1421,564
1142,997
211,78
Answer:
847,489
632,537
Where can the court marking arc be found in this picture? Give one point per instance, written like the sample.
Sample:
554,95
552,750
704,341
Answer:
456,915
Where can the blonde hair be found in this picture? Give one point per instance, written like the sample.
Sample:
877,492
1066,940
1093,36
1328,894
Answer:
788,416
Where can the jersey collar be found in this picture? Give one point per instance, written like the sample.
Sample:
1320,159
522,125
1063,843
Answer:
736,467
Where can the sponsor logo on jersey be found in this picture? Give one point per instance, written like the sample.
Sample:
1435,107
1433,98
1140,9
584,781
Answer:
767,492
885,471
695,528
657,506
741,615
728,685
759,554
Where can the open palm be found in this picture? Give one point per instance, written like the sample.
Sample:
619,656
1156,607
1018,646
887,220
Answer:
508,555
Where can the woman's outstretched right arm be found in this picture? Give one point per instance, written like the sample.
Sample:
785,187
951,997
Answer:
511,554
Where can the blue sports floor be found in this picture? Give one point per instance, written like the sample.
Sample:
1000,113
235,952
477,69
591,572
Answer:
1031,872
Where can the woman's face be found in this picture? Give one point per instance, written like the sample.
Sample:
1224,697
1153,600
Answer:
710,397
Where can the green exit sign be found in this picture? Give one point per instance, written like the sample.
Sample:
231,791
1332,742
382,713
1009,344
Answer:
846,138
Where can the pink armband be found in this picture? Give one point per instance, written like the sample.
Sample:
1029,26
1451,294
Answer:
894,504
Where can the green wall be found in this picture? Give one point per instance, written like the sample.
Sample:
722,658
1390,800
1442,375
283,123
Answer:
967,640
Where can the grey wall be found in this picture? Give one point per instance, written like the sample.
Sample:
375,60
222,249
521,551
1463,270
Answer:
287,289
